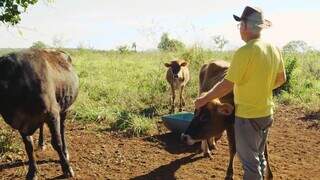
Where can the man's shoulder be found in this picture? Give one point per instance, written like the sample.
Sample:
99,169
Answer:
245,49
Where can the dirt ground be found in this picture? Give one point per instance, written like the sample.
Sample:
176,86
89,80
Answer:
294,148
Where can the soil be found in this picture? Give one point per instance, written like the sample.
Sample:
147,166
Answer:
294,150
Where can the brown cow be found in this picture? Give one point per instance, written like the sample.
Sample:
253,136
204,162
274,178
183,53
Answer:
177,76
213,119
37,87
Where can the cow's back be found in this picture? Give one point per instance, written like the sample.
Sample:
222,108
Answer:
61,76
211,74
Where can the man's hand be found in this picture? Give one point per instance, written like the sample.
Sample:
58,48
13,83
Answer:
217,91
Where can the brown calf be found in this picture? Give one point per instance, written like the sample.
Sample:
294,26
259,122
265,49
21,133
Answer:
211,120
177,76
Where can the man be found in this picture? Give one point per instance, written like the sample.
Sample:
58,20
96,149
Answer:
256,69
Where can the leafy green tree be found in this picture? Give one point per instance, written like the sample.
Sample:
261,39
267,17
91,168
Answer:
39,45
295,46
167,44
10,10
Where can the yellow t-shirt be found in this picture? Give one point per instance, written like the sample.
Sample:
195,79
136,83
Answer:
253,71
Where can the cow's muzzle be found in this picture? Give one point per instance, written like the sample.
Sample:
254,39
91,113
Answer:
187,139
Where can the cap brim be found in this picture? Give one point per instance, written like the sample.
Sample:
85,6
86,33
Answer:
237,18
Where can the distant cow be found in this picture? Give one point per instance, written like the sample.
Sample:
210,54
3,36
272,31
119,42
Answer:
211,120
177,76
37,87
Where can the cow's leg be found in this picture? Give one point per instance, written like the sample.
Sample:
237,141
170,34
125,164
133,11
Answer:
269,175
28,143
41,144
62,129
232,151
212,144
205,149
182,103
55,129
173,99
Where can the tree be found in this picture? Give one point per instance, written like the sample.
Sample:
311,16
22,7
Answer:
220,41
123,49
296,46
134,47
39,45
167,44
10,10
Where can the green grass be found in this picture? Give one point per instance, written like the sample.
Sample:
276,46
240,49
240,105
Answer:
128,92
8,142
304,81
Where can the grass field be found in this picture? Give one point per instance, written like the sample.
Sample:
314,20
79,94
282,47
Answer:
128,91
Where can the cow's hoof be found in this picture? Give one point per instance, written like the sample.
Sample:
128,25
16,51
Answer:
32,175
208,155
68,173
228,178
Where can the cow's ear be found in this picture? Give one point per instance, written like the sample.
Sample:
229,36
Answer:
184,63
225,109
167,64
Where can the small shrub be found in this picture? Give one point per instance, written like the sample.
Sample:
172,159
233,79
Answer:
290,66
133,125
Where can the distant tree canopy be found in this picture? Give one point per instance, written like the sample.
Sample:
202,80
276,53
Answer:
296,46
167,44
10,10
39,45
220,41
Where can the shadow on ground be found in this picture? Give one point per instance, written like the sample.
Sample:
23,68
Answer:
171,142
16,164
167,171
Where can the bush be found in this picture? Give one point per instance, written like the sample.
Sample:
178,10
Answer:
290,63
171,45
133,125
39,45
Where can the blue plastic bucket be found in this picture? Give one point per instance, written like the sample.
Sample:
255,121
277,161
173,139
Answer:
178,122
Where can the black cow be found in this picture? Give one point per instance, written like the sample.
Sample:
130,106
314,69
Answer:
37,87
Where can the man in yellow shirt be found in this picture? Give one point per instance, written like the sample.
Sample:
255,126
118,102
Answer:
256,69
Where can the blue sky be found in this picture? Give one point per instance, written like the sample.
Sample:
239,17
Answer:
107,24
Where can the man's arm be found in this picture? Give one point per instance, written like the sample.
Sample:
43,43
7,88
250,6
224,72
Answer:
219,90
281,78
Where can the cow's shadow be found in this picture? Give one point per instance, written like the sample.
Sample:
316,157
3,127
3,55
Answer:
167,171
16,164
171,142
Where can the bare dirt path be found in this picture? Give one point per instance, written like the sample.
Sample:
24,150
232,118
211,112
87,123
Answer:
294,146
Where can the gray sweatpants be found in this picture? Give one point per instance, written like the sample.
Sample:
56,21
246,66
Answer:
251,136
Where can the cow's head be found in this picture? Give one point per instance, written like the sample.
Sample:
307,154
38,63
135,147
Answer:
175,67
206,120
